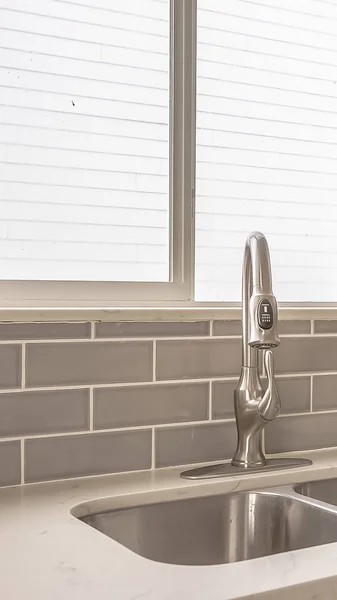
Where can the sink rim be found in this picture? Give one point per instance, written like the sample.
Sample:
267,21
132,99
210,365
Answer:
329,506
106,504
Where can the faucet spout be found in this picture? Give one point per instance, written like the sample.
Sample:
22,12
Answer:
257,262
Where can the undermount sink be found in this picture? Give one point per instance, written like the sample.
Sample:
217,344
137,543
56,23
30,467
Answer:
324,491
219,529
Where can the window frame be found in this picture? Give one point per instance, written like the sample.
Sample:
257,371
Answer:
180,287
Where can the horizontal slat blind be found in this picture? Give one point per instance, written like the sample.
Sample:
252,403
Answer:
84,140
267,144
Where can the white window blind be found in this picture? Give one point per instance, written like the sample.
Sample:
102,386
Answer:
84,140
267,144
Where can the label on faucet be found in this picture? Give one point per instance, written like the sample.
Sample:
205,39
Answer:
265,314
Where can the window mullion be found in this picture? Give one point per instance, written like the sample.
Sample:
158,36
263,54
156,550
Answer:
183,128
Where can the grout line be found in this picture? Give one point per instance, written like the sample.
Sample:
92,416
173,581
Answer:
210,401
151,339
50,341
290,375
23,366
194,423
154,364
121,384
132,339
311,392
295,335
312,327
22,454
324,335
153,441
323,373
92,330
306,414
211,328
91,408
294,375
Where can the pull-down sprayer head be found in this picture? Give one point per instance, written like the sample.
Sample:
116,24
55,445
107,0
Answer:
263,321
258,302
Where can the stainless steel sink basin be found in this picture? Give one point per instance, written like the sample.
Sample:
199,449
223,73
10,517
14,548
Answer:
324,491
219,529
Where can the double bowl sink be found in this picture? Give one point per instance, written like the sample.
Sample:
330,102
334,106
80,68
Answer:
226,528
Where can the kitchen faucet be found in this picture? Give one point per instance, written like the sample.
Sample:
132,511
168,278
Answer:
254,406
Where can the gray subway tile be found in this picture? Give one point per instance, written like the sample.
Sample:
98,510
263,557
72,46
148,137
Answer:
227,327
84,455
305,355
148,405
10,463
294,394
29,413
47,331
152,329
325,392
88,363
10,366
223,399
293,327
194,444
325,326
185,359
303,432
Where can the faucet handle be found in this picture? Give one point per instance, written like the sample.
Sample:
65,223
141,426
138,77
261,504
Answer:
270,405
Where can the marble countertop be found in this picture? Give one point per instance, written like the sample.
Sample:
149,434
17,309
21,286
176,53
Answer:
46,553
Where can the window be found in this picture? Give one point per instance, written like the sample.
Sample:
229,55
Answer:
112,114
85,137
267,145
89,142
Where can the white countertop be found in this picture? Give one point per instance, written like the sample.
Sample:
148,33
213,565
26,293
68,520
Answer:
46,553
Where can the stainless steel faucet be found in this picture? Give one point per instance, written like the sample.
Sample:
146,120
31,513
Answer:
254,407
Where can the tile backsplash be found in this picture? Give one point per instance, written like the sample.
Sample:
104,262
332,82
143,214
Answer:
81,399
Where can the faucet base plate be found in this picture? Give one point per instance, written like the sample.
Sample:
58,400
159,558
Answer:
228,470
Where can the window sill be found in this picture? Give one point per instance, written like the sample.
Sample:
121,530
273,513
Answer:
183,312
